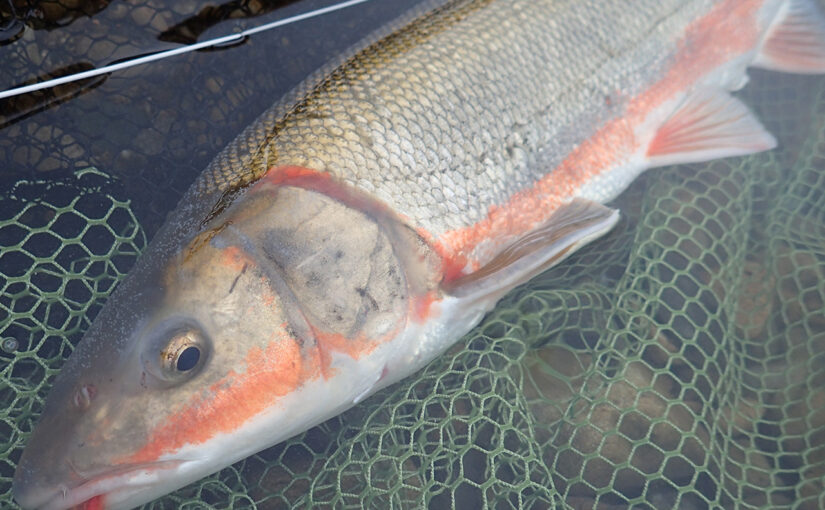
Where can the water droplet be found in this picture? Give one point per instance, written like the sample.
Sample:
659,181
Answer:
10,344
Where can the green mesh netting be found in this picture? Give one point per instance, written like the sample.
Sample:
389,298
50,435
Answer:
677,363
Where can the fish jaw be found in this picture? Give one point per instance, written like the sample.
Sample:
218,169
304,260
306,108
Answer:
119,488
128,485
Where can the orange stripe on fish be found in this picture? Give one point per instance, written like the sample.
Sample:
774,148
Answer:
270,373
325,183
730,28
336,342
292,175
422,307
96,503
533,206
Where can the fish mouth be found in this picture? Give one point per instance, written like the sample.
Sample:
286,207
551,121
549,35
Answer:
95,491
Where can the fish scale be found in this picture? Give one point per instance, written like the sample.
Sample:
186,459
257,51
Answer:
476,94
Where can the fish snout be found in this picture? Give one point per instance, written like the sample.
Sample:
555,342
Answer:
34,485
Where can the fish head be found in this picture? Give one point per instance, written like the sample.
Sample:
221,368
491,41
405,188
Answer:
276,316
157,377
109,396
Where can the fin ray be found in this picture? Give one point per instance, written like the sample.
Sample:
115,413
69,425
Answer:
795,43
710,124
571,226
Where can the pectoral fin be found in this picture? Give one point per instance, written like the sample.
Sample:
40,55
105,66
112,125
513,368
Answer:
570,227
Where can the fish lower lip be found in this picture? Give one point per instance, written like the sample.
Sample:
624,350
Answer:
126,477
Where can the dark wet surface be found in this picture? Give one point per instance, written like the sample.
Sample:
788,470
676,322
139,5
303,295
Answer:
156,127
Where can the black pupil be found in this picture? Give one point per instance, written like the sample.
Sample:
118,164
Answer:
188,359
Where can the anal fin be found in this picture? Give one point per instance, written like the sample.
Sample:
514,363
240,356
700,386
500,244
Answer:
570,227
795,43
710,124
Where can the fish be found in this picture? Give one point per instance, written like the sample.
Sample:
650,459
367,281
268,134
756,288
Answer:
370,218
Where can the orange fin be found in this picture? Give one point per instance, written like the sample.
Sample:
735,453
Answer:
795,43
570,227
710,124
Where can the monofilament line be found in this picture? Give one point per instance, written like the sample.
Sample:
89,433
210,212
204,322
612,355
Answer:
177,51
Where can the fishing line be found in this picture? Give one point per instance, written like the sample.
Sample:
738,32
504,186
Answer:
218,41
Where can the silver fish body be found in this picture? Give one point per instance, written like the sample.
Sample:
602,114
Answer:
466,106
369,219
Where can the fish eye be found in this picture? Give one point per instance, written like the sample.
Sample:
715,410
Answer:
182,353
175,351
188,359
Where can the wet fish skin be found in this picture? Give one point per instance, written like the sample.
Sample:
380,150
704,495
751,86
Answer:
369,219
467,106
